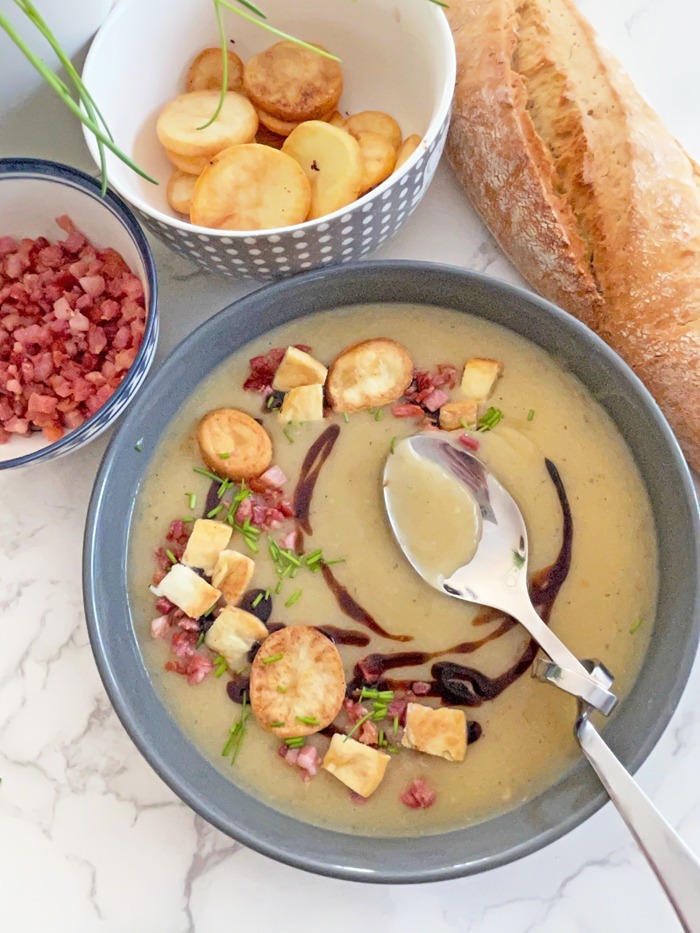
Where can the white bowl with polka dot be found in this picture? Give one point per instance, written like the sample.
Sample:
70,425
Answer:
397,56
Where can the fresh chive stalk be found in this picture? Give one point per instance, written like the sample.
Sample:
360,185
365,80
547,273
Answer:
238,732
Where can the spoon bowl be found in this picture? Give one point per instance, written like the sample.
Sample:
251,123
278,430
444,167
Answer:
496,576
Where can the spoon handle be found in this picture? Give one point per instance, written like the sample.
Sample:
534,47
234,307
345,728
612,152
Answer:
676,867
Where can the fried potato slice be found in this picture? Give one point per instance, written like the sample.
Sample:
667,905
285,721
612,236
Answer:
191,165
331,160
206,72
368,374
179,191
279,127
231,574
298,369
441,732
375,121
406,150
358,766
233,633
251,187
455,415
378,158
479,377
180,123
205,544
266,137
291,82
229,431
336,119
307,668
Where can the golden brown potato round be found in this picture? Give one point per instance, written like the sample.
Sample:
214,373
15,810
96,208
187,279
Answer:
331,160
179,191
180,123
206,72
293,83
375,121
251,187
408,147
231,432
309,669
368,375
336,119
192,165
378,158
280,127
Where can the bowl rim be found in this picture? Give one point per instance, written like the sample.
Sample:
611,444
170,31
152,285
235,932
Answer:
441,112
279,843
59,173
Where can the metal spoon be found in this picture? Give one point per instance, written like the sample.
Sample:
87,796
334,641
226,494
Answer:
675,866
493,577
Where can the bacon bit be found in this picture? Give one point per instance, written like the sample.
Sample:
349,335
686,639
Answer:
164,606
420,688
178,532
368,733
195,668
354,711
404,410
160,627
183,644
288,541
371,668
436,399
264,368
306,759
397,709
470,442
66,341
273,476
418,795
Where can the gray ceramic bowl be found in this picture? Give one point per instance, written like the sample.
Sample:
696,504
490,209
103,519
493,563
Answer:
631,734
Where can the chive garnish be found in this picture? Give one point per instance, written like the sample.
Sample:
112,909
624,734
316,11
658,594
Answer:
192,498
357,726
295,597
272,658
238,731
531,414
225,456
276,725
281,689
200,640
346,417
220,665
518,560
489,419
396,725
392,444
636,625
378,414
295,741
307,720
257,600
288,434
171,556
138,446
211,476
278,588
214,511
187,518
380,738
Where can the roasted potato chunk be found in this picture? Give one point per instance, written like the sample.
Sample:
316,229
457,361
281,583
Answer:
190,165
233,444
180,123
205,544
298,369
231,574
378,158
374,121
369,374
455,415
331,160
406,150
293,83
441,732
188,591
275,125
305,403
479,378
179,191
251,187
358,766
307,668
206,73
233,633
336,119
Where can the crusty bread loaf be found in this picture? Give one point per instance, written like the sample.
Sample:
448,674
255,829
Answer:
591,197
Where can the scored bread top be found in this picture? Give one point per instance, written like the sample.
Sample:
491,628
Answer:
593,199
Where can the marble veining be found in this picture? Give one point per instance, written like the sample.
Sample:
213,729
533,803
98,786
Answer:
92,840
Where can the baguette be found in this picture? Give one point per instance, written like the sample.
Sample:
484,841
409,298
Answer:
594,201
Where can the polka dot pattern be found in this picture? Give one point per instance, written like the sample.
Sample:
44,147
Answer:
356,233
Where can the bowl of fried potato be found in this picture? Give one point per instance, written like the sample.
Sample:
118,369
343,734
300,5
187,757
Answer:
286,155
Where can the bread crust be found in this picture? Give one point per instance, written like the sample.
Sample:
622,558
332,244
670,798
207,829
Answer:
615,240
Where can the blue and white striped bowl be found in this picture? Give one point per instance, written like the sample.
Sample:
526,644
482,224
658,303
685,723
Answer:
33,192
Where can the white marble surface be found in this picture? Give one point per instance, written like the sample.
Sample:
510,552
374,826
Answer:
92,840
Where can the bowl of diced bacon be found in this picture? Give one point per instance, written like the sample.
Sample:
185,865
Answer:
78,321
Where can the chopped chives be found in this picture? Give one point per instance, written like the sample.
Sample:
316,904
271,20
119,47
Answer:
396,725
281,689
314,556
237,732
636,625
368,693
188,518
225,456
272,658
288,434
211,476
192,499
308,720
294,598
257,600
346,417
489,419
214,511
296,741
291,558
138,446
220,666
531,414
278,588
171,556
378,414
392,444
276,725
380,738
357,726
200,640
338,560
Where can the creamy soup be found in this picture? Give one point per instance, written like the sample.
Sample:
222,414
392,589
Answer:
520,731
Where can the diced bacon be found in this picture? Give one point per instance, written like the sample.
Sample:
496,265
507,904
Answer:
164,606
308,762
178,531
436,399
368,733
93,285
419,795
406,410
160,626
371,668
41,404
397,710
7,245
273,476
197,668
354,711
420,688
183,644
471,443
264,367
289,540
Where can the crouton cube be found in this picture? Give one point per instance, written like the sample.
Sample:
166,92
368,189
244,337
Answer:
188,591
298,369
455,415
206,542
304,403
479,378
358,766
232,574
233,633
441,732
